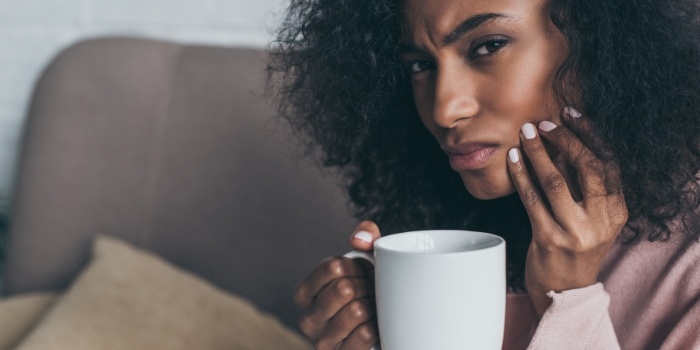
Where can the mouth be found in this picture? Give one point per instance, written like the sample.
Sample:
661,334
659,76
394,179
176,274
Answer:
470,156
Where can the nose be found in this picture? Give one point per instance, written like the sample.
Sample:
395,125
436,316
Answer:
455,98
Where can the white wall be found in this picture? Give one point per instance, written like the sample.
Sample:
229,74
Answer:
33,31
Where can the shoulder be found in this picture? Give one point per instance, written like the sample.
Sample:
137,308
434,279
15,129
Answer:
652,285
681,246
643,264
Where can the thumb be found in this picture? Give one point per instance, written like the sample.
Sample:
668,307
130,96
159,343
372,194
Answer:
364,236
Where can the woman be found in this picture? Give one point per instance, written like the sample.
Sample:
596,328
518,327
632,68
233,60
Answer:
572,125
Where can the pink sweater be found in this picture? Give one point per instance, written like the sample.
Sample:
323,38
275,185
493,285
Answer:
648,297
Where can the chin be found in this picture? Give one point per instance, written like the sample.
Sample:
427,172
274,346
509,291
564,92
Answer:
486,190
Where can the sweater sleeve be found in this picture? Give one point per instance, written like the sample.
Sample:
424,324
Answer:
577,319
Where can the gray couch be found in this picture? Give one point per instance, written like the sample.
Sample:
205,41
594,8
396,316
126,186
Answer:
174,149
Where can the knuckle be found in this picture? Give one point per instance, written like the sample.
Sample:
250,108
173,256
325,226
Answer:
358,310
555,183
585,242
299,294
616,214
367,334
335,267
546,244
344,289
593,164
578,245
530,196
322,344
306,325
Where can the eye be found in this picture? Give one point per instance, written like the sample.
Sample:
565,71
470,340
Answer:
418,66
488,47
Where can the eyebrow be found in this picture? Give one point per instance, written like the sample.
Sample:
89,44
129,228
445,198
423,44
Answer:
470,24
463,28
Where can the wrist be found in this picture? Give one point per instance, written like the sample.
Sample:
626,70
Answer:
540,300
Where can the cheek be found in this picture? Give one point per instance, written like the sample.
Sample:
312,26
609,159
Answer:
525,95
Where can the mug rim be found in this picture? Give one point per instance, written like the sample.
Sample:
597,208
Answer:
498,242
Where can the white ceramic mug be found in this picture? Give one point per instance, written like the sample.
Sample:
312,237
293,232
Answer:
442,290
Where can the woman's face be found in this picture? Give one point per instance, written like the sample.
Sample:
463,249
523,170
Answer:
481,69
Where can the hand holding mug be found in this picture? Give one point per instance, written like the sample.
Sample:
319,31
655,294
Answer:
337,299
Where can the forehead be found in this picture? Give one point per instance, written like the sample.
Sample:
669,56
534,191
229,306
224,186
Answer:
438,17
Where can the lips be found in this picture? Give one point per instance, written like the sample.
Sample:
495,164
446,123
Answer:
470,156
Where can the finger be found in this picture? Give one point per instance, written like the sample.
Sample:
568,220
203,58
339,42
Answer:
590,169
351,316
551,180
364,236
329,270
536,209
338,294
362,338
569,172
563,164
584,127
331,300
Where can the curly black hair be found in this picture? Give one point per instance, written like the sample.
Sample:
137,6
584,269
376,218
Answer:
335,68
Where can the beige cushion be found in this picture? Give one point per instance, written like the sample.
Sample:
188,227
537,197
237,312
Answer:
131,299
19,314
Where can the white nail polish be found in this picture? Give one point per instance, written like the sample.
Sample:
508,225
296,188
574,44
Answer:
529,131
364,236
513,155
547,126
572,112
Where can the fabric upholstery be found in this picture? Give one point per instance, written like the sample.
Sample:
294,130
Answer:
19,314
174,149
131,299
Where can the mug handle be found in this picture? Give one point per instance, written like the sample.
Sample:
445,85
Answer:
356,254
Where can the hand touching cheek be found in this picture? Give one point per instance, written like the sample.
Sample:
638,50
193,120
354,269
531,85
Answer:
570,237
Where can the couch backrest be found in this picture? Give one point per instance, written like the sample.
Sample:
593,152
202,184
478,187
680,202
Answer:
173,148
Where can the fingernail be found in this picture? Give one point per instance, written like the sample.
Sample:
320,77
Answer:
364,236
529,131
513,155
547,126
572,112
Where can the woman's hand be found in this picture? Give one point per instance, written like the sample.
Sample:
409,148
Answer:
337,298
576,221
